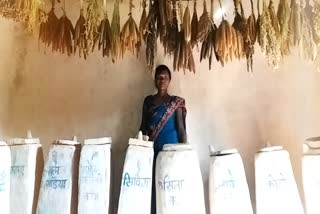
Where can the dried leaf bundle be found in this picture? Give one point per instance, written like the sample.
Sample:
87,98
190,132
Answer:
130,36
252,31
283,15
63,37
143,19
115,30
164,18
80,40
150,36
316,21
170,43
194,26
104,37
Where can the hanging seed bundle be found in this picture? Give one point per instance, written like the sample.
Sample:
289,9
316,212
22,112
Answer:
194,26
274,18
92,21
316,21
63,36
143,19
187,24
104,36
268,39
295,24
115,31
251,24
48,26
150,36
80,40
207,46
130,36
204,24
283,15
164,18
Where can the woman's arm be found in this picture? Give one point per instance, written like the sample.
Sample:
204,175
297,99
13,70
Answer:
182,135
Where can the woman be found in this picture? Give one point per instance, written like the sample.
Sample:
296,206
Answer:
163,118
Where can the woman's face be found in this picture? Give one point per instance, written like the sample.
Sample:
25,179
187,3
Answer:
162,80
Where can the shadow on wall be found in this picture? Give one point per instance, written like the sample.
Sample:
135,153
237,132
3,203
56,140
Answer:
88,99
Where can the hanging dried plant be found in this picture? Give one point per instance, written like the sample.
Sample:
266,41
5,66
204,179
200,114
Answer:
194,26
48,26
63,36
308,48
115,30
94,10
130,36
251,24
283,15
150,36
204,25
207,47
316,21
295,24
80,40
268,39
143,19
164,18
170,43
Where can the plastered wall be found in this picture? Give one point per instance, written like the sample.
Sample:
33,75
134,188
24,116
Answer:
58,97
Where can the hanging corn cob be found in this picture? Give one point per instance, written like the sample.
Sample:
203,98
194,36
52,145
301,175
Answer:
115,30
229,42
283,15
194,26
104,36
63,36
150,36
48,26
207,47
92,21
130,36
187,24
80,40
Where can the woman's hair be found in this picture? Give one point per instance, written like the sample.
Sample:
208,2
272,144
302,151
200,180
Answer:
160,69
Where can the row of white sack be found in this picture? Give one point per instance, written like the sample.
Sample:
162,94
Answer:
72,186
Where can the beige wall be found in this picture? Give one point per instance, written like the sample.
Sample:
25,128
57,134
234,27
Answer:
58,97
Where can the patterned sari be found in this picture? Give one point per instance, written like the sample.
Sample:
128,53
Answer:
161,121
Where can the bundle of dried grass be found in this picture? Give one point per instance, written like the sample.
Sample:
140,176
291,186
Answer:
164,18
204,25
130,36
80,40
194,26
207,47
64,35
94,10
251,24
48,26
115,30
316,21
150,36
283,15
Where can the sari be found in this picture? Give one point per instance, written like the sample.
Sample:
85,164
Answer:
161,128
